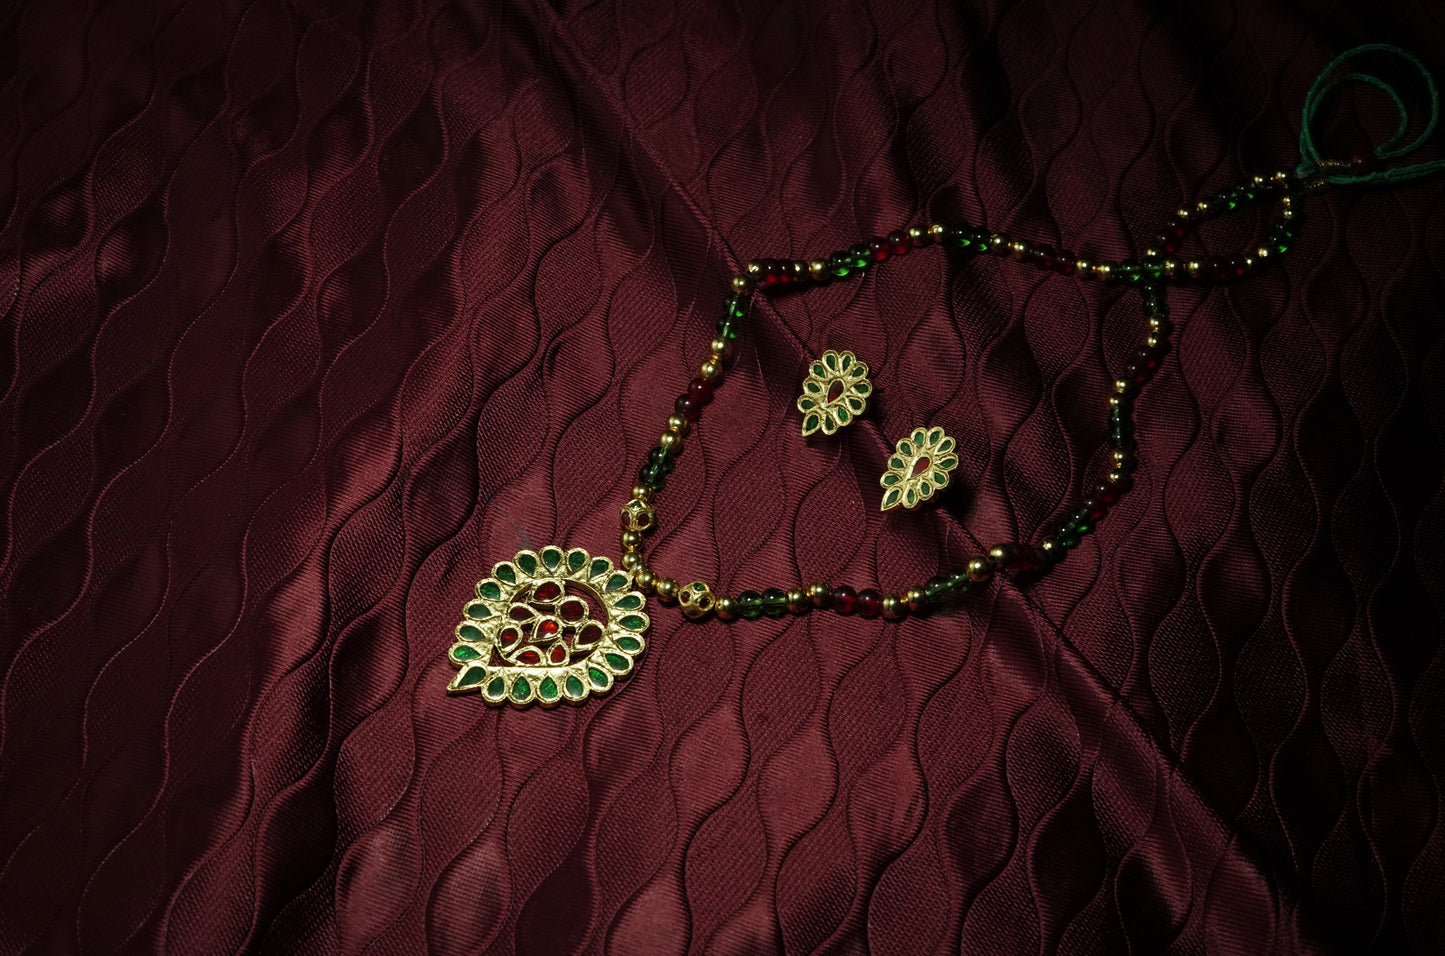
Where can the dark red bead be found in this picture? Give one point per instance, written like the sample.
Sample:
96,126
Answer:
700,391
1064,264
687,408
1362,163
1041,256
878,248
924,238
898,242
1104,493
1095,508
845,599
870,603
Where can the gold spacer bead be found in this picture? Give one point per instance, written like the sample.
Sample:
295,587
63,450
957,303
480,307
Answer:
936,231
697,600
996,242
644,578
1286,213
755,268
1194,267
711,370
631,540
726,608
1121,386
720,348
818,269
980,569
1250,262
916,600
1103,271
678,425
1116,477
1117,401
669,440
800,269
798,601
894,607
666,589
819,593
1202,207
630,560
742,284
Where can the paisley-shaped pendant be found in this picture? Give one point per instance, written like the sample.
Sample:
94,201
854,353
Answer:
548,626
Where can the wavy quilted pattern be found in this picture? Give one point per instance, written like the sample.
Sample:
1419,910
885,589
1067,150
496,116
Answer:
314,309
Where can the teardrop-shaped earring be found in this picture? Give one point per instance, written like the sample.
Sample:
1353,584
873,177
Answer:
835,392
919,468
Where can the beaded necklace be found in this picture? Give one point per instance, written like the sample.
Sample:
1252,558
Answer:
560,624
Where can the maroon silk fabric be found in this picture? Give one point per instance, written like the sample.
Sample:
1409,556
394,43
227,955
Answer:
315,310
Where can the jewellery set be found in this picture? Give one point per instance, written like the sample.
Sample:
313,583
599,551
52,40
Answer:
559,624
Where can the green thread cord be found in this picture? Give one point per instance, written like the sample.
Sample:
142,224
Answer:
1324,84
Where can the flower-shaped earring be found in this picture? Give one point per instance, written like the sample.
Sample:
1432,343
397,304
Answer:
919,468
834,393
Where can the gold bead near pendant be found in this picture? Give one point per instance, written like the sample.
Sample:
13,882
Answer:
894,607
666,589
819,594
726,608
644,578
630,560
638,515
798,601
631,540
711,371
669,440
720,348
641,493
696,600
916,600
678,425
742,284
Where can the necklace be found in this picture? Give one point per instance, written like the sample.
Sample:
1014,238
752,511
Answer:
559,624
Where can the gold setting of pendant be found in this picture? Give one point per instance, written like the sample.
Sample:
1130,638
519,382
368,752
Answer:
548,626
834,393
919,468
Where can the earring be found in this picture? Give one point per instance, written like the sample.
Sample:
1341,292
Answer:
834,393
919,468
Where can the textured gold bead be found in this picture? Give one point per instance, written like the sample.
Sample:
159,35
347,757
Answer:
894,607
996,242
818,269
819,594
720,348
1121,385
696,600
1262,252
916,600
1169,266
726,608
666,589
980,569
1116,477
678,425
755,268
638,515
936,231
630,560
742,284
631,540
644,578
798,601
711,370
1117,401
669,440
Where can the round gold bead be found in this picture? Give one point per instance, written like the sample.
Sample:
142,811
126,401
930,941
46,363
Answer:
1280,176
669,440
1084,268
641,493
630,560
819,593
631,540
1202,206
799,269
916,600
1262,252
1169,267
726,608
1152,253
1018,249
1286,213
1193,267
1184,212
742,284
711,370
1257,180
980,569
1116,477
644,578
696,600
666,589
720,348
996,242
936,231
1120,456
755,268
818,269
798,601
1121,386
678,425
1154,341
917,235
894,607
1102,271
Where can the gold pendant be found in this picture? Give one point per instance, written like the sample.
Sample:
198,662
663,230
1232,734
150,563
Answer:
548,626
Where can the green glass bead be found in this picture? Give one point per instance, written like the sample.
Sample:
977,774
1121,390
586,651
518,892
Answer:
959,583
727,328
735,306
775,602
661,457
936,589
750,605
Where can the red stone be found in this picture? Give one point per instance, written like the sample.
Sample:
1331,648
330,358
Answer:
845,599
590,634
520,613
870,603
920,466
573,610
509,636
529,657
558,654
548,627
547,591
835,390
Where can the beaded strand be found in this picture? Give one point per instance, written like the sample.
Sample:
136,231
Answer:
1151,273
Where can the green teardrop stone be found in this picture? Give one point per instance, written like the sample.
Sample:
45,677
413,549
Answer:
478,611
573,686
527,562
615,661
471,676
496,688
617,582
464,653
600,566
630,603
551,557
505,572
470,632
597,677
521,689
547,690
490,589
630,644
633,622
576,559
811,423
